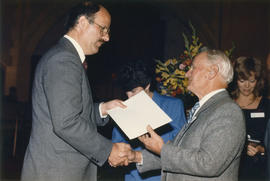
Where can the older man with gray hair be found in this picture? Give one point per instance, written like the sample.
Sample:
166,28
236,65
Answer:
210,144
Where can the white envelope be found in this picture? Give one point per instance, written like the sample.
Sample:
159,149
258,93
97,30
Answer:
141,111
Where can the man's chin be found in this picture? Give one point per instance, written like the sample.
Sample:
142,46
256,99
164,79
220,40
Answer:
96,51
190,88
97,48
93,51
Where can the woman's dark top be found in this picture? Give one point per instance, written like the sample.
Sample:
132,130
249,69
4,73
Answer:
254,168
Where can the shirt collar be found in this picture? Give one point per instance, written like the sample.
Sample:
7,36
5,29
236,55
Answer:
77,47
209,95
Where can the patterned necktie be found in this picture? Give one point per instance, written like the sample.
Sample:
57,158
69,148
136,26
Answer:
192,111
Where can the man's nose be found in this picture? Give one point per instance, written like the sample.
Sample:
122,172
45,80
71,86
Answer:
187,74
106,37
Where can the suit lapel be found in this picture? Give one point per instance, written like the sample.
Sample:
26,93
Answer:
69,47
64,42
210,102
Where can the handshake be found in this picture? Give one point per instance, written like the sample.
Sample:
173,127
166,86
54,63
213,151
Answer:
122,154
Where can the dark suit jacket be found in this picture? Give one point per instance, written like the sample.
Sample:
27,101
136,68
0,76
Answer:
207,149
64,143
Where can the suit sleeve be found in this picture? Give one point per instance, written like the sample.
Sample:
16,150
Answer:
62,83
100,121
150,162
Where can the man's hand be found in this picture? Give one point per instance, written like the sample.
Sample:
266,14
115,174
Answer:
110,105
153,142
134,156
119,154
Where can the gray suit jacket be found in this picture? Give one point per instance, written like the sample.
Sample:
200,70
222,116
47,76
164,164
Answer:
207,149
64,143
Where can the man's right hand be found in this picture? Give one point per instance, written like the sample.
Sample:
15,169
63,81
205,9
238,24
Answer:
119,154
110,105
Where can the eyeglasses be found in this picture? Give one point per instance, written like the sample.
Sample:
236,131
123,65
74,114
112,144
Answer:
103,30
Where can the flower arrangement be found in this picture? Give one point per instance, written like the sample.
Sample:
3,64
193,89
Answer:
170,74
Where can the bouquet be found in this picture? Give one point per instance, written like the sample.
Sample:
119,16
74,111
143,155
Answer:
170,74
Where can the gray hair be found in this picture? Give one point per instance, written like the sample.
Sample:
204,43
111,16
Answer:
220,59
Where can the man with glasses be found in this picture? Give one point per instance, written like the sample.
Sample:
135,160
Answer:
103,29
64,143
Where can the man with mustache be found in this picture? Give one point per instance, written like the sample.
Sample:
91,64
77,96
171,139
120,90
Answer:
64,143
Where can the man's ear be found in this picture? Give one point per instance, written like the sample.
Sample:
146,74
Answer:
82,23
213,72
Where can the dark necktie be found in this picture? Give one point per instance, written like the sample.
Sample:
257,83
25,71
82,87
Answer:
85,65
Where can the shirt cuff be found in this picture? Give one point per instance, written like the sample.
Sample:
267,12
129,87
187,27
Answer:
100,113
140,163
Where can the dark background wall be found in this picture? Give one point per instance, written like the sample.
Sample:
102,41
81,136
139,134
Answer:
140,29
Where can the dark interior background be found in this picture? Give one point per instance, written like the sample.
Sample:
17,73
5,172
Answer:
140,29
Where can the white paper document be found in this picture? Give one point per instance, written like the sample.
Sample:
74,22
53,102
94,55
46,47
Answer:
141,111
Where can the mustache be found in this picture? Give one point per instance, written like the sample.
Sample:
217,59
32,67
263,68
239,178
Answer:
101,41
